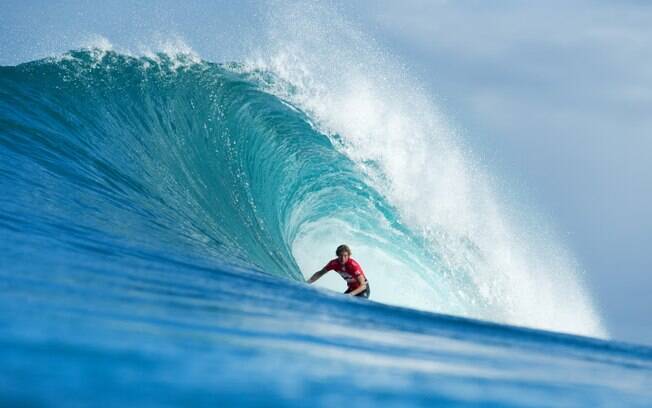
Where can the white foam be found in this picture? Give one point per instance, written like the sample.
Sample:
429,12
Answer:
171,46
98,43
174,47
514,272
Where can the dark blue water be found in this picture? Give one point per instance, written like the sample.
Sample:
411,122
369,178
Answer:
147,217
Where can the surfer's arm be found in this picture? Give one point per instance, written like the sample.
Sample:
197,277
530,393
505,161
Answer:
317,275
361,288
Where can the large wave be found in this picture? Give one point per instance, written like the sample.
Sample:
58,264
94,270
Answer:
261,165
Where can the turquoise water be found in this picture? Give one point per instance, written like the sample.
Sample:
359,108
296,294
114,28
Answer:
158,216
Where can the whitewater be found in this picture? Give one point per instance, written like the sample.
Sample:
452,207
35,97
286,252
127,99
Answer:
160,212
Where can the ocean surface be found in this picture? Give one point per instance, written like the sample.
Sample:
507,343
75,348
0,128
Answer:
160,213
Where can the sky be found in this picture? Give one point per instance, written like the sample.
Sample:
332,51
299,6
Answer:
556,96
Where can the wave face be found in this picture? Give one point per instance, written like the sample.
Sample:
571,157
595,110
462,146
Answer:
190,159
233,164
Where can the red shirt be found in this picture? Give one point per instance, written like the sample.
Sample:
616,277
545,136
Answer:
349,271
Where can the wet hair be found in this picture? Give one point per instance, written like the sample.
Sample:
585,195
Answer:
342,248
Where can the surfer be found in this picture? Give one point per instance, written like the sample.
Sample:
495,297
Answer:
349,270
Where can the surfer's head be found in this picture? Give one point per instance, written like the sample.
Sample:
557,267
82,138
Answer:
343,252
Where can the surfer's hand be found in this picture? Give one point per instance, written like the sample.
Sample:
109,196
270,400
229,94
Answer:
316,276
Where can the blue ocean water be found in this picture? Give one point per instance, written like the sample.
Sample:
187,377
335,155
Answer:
150,214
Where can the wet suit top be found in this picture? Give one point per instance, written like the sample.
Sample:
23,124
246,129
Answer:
349,272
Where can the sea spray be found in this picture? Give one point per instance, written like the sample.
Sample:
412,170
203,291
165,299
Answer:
481,256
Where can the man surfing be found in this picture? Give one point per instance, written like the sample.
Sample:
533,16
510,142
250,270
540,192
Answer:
349,270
